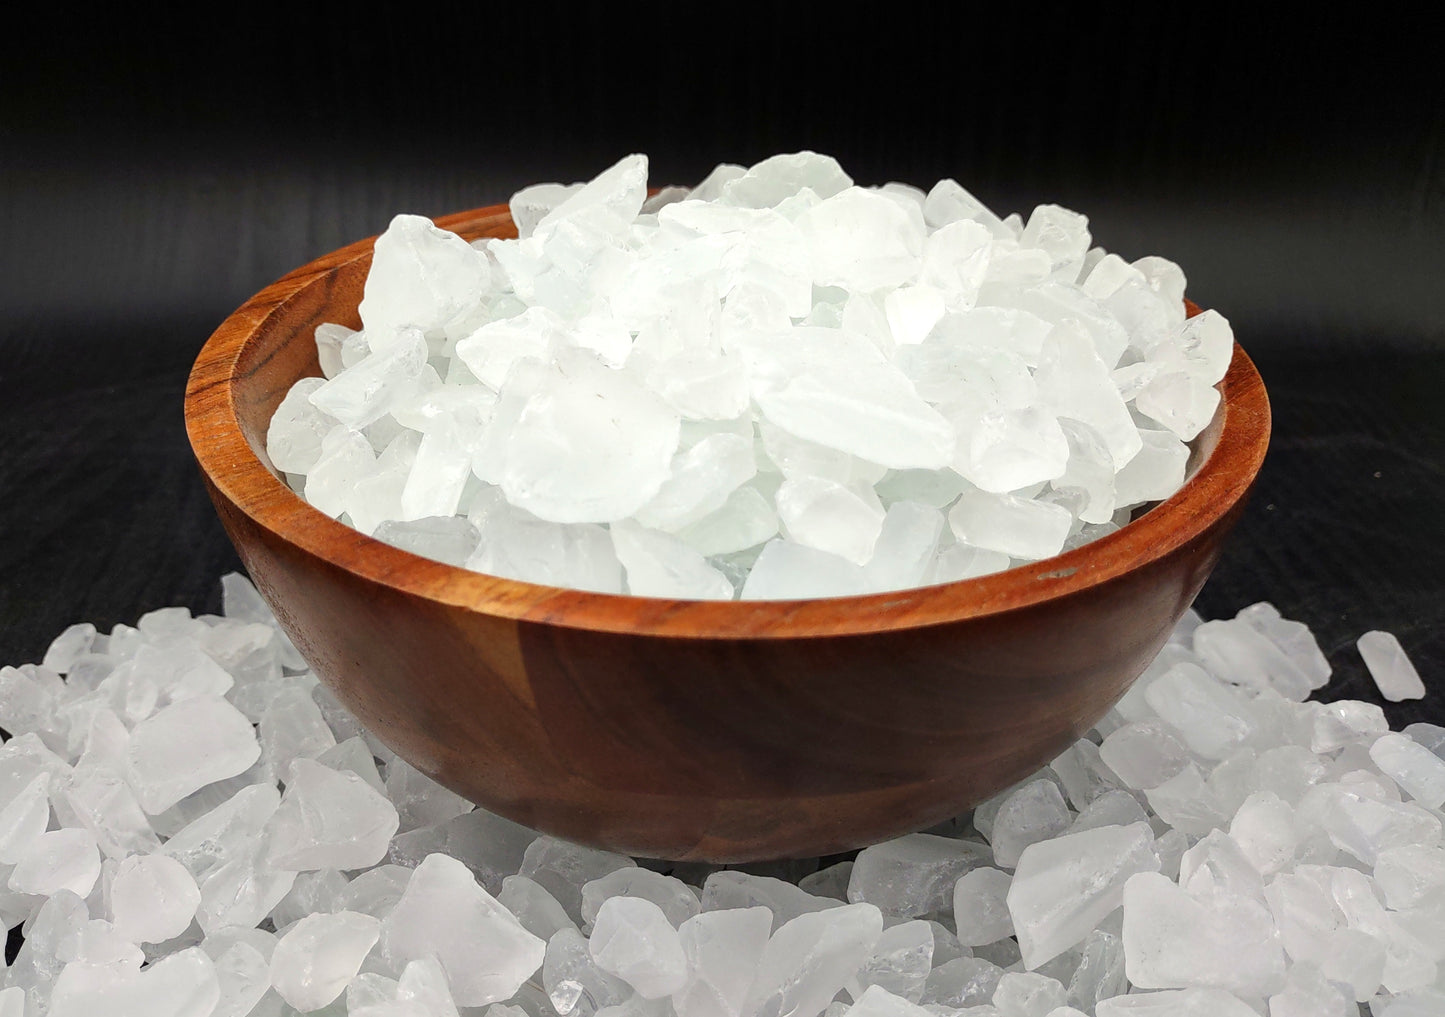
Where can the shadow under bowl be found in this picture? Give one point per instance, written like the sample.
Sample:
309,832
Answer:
717,731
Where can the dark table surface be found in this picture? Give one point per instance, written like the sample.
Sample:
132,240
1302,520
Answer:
151,180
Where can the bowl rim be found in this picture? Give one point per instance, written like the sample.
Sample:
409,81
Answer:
1221,480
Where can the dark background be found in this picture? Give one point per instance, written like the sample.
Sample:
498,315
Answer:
155,173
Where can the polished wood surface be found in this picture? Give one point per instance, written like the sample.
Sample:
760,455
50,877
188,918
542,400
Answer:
724,731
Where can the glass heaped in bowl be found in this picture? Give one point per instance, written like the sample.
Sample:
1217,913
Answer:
721,731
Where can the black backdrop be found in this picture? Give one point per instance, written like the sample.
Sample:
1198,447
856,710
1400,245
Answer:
154,173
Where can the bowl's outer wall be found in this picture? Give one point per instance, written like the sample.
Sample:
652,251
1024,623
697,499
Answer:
690,747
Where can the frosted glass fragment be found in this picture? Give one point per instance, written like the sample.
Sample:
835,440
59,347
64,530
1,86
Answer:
900,962
491,846
1411,874
1011,449
1186,802
1074,382
711,186
960,561
181,985
421,277
1176,1003
368,390
1293,638
1216,865
515,544
68,647
590,445
1309,994
419,800
1154,472
912,311
702,384
375,891
55,861
1083,773
1111,808
1242,655
872,412
347,459
1144,754
573,981
906,546
1264,828
1070,311
1030,814
786,570
632,939
485,951
243,976
1028,994
675,898
1163,276
153,898
1100,973
861,240
1394,674
658,564
831,881
242,890
778,177
24,818
312,892
810,958
292,727
563,869
319,955
606,204
702,480
980,906
1206,342
293,438
490,351
1416,769
1064,887
877,1001
731,889
1061,234
225,832
534,907
824,514
1104,278
1360,824
1183,403
962,982
530,204
949,201
1173,940
329,819
955,264
913,875
1010,525
186,746
1210,719
745,520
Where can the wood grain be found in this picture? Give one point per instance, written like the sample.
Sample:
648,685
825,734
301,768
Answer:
686,729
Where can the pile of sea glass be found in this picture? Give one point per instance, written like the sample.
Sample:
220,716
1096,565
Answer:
774,385
192,826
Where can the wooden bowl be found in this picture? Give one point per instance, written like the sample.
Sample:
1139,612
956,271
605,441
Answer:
727,731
